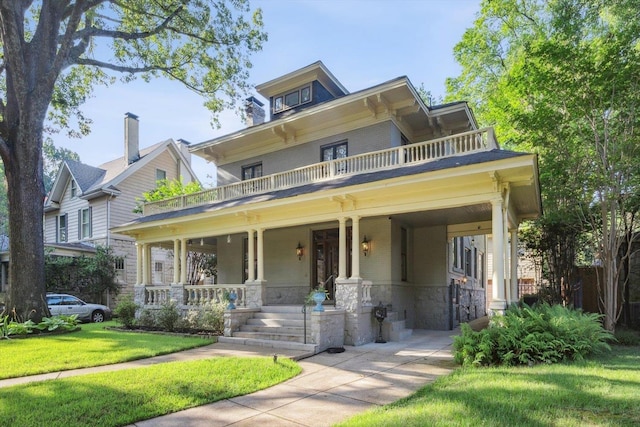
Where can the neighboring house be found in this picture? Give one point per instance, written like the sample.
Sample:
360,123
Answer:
383,198
85,202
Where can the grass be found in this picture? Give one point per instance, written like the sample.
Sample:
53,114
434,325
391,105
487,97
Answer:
598,392
91,346
124,397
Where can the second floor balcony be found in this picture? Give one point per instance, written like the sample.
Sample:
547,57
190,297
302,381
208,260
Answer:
397,157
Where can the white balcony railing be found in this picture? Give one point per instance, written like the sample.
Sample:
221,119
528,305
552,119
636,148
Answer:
406,155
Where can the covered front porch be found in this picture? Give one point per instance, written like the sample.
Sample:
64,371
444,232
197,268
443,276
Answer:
274,240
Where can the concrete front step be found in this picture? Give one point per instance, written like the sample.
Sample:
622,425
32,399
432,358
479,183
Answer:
310,349
395,330
277,322
285,329
282,309
282,315
270,335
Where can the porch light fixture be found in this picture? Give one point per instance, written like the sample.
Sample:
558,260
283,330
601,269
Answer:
201,242
228,238
365,246
299,251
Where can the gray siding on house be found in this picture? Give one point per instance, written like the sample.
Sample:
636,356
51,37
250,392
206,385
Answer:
134,185
371,138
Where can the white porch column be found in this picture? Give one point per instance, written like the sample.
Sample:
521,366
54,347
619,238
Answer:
515,292
176,261
146,264
261,254
498,302
251,259
507,256
342,249
183,261
355,247
139,262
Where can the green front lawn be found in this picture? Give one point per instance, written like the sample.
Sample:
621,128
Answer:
597,392
91,346
124,397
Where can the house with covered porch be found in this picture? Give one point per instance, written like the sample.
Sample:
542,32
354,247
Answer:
379,197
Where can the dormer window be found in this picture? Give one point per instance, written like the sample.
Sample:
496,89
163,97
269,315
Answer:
292,99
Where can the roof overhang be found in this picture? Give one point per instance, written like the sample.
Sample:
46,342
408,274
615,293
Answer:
315,71
468,190
395,100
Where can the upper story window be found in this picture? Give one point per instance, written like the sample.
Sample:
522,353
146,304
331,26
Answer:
160,175
334,151
252,171
84,223
292,99
74,188
61,228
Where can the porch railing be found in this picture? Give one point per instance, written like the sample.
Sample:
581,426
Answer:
203,294
194,295
157,295
454,145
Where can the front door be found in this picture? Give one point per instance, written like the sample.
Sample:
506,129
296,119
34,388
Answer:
326,256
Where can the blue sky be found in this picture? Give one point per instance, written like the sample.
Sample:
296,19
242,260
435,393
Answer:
362,42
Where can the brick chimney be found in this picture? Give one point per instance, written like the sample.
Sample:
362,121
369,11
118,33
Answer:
254,111
131,138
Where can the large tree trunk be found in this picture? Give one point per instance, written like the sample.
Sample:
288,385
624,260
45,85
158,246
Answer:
31,71
26,194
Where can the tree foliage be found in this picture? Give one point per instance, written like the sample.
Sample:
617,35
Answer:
87,277
167,189
55,52
561,78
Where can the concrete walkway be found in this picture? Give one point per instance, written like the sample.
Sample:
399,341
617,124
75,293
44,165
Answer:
330,389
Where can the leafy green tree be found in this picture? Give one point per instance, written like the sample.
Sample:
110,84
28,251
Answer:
167,189
55,52
87,277
561,78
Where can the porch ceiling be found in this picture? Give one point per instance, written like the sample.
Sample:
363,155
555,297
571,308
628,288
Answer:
458,215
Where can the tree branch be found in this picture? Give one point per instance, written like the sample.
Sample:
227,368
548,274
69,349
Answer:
119,68
100,32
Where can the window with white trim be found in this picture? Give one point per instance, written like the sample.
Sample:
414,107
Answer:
160,175
61,228
84,223
74,188
292,99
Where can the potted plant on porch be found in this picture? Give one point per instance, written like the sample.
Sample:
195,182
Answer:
317,296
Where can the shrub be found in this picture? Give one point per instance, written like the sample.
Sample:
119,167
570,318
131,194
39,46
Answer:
168,316
212,318
126,312
147,319
530,335
627,337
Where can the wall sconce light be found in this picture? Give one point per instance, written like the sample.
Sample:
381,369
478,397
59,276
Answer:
201,242
365,246
228,238
464,279
299,251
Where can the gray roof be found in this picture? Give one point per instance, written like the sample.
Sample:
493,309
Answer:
346,181
86,176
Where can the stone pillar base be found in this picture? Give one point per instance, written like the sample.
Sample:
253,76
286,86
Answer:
497,307
256,293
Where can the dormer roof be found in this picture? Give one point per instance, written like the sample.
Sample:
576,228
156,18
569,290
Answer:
316,71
